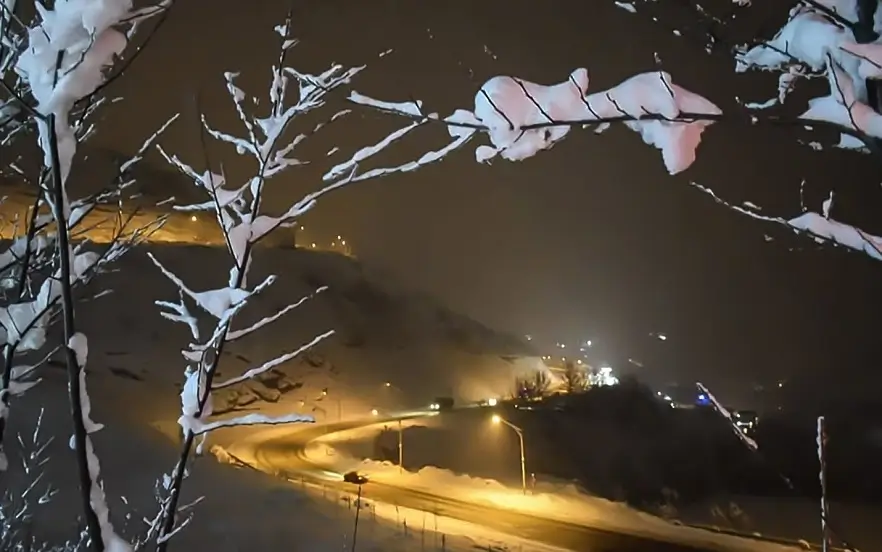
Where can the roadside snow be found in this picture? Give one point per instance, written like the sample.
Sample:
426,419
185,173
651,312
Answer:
560,502
389,528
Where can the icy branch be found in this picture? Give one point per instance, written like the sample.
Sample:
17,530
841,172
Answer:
112,542
824,228
819,226
232,335
751,444
252,419
216,302
522,118
267,366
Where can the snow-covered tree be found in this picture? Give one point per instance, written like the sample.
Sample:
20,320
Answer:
53,71
270,136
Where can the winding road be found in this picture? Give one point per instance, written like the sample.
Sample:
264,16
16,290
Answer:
285,454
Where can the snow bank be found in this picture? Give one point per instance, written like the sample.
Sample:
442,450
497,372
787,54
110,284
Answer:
560,502
431,530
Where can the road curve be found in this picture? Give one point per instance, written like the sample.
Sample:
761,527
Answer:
285,454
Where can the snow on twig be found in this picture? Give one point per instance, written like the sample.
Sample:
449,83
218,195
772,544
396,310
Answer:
750,443
267,366
112,542
820,227
821,440
252,419
238,334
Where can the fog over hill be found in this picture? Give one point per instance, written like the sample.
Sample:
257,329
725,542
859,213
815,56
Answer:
419,347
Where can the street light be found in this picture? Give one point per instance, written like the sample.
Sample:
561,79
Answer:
337,400
375,412
497,419
400,448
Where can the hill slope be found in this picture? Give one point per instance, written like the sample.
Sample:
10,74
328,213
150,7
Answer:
420,348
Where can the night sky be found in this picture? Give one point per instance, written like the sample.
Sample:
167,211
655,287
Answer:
590,240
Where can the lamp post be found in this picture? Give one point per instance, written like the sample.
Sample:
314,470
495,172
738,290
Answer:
497,419
337,400
400,449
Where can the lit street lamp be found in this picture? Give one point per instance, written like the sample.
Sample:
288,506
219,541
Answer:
497,419
337,400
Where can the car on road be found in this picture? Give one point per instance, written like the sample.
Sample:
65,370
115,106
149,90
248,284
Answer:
355,478
442,403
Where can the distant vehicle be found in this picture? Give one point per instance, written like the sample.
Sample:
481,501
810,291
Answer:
442,403
355,478
488,402
746,420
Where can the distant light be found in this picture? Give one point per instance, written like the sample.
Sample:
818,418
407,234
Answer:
313,245
496,419
578,362
529,337
491,401
703,397
339,238
388,384
374,412
193,218
343,242
663,337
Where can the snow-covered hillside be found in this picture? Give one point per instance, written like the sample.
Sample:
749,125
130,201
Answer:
422,350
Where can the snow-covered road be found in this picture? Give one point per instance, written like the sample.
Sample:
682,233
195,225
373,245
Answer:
284,452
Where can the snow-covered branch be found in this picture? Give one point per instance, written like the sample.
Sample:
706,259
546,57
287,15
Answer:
269,365
520,118
251,419
724,412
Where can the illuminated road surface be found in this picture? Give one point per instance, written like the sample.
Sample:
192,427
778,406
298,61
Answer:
285,454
